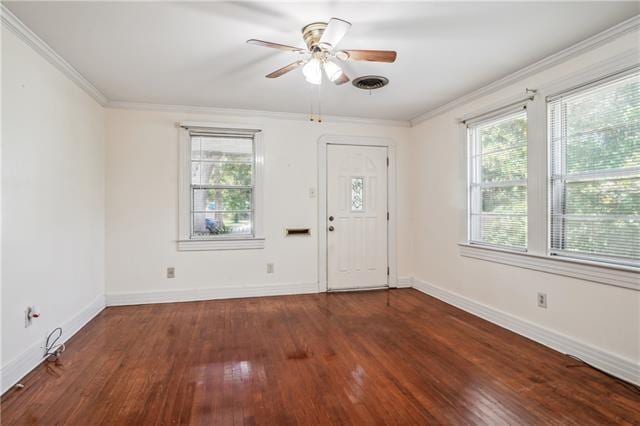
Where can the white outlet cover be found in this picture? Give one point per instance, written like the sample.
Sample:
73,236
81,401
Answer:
542,300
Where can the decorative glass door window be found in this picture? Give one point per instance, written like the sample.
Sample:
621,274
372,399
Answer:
357,194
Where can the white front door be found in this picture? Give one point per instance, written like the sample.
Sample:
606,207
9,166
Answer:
356,217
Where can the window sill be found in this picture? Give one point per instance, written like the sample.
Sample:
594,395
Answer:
221,244
619,276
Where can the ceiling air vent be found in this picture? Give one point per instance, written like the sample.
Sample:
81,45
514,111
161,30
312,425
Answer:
370,82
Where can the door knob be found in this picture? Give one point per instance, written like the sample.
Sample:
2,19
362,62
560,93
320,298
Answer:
331,218
331,228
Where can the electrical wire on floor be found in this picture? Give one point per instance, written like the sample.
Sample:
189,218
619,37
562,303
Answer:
53,349
628,385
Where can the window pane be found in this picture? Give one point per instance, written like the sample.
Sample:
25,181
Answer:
357,194
613,148
606,197
226,149
503,134
619,238
195,148
603,128
505,165
195,173
209,224
205,200
504,230
505,200
220,173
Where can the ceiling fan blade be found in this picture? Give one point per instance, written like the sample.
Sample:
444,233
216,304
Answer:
370,55
275,45
342,79
286,69
335,31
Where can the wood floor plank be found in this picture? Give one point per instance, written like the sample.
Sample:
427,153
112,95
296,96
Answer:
384,357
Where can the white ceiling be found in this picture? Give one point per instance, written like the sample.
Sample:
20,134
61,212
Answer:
194,53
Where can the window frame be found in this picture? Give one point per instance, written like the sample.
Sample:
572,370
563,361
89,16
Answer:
555,202
538,255
186,240
472,170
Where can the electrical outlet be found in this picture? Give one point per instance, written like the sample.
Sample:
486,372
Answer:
171,272
542,300
270,268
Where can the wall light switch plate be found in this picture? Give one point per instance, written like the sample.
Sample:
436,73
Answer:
312,193
171,272
270,268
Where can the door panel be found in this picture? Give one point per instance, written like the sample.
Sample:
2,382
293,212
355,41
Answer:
357,202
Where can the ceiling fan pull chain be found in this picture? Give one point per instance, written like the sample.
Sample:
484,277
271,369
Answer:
319,105
311,118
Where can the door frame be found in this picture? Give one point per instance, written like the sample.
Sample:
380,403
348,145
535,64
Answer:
390,144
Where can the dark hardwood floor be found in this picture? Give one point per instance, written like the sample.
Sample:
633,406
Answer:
396,357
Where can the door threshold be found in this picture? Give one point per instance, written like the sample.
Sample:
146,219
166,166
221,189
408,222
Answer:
341,290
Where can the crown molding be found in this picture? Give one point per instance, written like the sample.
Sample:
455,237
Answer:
631,24
252,113
16,26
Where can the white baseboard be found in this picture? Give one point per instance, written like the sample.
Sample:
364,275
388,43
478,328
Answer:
620,367
404,282
119,299
17,368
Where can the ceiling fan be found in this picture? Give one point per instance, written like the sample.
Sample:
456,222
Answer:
321,39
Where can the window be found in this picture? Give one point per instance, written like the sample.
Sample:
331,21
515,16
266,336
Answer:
220,181
357,194
498,181
594,202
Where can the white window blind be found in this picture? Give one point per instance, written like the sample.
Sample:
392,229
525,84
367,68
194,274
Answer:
498,181
595,171
222,185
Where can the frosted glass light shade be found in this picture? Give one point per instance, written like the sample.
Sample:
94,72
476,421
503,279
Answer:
332,70
312,72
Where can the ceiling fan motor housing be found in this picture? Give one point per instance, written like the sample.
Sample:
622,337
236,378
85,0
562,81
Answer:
312,33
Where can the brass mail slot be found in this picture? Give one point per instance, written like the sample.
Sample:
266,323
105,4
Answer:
297,231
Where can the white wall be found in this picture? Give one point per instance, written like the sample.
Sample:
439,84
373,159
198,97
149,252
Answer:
142,211
599,315
53,204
